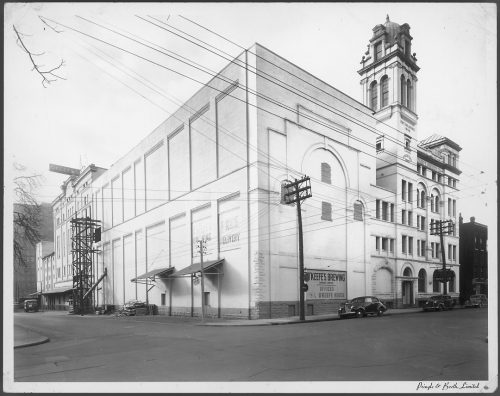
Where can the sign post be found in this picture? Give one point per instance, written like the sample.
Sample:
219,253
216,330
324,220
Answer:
437,228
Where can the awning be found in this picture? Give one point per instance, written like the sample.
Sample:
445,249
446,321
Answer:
35,294
197,268
58,290
159,272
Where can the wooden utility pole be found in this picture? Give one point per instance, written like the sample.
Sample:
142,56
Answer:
295,192
202,248
436,229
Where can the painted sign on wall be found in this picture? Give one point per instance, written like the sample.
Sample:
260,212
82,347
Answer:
326,285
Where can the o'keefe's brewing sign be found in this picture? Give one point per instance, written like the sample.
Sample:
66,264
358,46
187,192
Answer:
325,285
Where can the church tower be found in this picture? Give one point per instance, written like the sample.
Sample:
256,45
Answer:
389,85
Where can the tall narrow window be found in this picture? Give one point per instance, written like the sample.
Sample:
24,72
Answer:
326,173
403,244
422,280
410,245
326,211
379,144
377,208
410,192
373,95
403,91
403,190
378,51
385,91
409,102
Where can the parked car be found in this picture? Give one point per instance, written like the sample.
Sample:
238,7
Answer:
31,306
362,306
439,303
131,306
477,301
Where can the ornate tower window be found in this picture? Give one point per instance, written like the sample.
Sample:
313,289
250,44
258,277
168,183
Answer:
403,91
409,102
373,95
378,51
384,82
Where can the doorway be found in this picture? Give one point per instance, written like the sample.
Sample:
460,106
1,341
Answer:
407,293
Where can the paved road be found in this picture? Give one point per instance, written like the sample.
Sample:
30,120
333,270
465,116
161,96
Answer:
432,346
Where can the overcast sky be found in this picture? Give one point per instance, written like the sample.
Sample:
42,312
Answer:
100,111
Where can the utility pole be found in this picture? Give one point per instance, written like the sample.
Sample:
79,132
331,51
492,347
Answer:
441,227
295,192
202,248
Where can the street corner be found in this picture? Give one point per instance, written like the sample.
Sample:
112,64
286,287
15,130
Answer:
25,337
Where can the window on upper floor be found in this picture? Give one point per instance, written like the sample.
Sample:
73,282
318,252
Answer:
378,51
326,211
402,95
409,89
358,211
379,143
374,95
407,142
384,84
326,173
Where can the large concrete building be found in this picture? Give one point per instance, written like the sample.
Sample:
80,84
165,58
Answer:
213,171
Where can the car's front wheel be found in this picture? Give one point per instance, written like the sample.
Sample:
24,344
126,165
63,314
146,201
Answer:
359,314
380,312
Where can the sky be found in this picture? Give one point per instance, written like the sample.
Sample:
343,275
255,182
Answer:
98,110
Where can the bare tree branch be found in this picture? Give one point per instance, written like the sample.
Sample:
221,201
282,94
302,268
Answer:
51,27
48,76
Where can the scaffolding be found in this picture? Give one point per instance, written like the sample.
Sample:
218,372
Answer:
83,254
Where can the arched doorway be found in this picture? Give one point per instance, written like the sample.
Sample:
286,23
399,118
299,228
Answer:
407,288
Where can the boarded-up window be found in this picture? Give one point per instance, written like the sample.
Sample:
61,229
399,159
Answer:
203,150
326,173
178,163
116,198
128,194
139,187
326,211
358,211
231,131
155,163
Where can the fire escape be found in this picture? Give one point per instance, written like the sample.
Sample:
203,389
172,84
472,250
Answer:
83,235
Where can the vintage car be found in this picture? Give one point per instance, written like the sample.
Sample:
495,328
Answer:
31,306
477,301
439,303
362,306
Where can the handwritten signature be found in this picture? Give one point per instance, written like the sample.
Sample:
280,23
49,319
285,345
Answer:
428,386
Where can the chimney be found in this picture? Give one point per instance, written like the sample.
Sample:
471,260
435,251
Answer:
472,219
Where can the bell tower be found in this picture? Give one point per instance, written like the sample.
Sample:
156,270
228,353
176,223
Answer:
389,87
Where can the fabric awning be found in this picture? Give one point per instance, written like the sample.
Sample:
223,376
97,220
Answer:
197,268
159,272
58,290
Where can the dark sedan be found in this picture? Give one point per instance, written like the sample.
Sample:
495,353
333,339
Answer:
362,306
439,303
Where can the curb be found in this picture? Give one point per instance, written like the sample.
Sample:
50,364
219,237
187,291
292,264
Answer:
33,343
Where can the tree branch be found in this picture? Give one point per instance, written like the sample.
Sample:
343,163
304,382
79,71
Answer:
46,75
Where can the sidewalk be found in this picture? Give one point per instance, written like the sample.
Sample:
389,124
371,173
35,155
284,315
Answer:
295,319
24,337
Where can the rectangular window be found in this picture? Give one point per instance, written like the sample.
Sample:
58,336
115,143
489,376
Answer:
449,252
231,130
379,143
418,248
178,160
454,253
403,216
407,142
410,192
384,244
403,243
410,218
203,154
128,194
377,208
392,213
385,209
358,212
116,199
410,245
403,190
139,189
449,206
326,211
391,245
438,250
377,243
422,223
378,51
454,208
156,172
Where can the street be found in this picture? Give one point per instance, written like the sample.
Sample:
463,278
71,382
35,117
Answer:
432,346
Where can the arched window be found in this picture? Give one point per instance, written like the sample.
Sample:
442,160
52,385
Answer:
435,283
409,102
384,83
403,91
435,201
422,280
436,204
432,203
373,95
422,199
358,211
418,198
326,173
407,272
